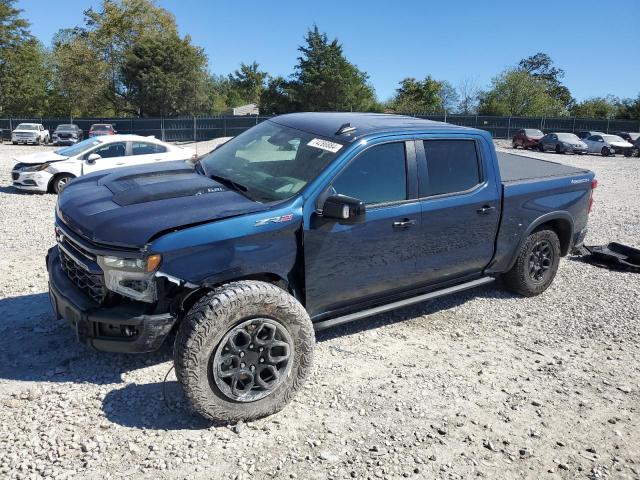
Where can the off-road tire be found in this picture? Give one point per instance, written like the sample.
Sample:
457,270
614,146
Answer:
518,279
205,326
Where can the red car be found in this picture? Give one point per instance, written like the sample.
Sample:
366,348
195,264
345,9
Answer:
526,138
101,129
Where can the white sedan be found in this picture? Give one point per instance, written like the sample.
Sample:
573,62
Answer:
607,145
50,171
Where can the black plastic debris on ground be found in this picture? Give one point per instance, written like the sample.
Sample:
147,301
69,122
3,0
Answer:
613,255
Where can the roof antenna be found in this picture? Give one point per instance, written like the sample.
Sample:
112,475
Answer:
345,128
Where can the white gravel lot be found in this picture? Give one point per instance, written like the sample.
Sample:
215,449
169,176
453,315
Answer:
480,384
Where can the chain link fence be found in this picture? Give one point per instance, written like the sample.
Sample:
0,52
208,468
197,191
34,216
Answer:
189,129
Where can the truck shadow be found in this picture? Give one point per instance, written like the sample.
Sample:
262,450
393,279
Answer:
36,347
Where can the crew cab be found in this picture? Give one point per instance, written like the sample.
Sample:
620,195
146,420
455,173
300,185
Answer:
303,222
50,171
67,134
30,133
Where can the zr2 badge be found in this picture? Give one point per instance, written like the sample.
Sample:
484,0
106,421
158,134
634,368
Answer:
281,219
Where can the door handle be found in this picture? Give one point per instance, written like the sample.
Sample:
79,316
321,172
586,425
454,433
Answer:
404,223
485,210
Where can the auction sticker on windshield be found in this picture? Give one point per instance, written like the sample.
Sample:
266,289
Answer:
325,145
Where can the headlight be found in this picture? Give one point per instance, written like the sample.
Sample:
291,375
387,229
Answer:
131,277
36,168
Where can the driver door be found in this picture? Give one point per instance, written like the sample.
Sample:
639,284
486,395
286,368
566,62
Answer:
346,263
112,155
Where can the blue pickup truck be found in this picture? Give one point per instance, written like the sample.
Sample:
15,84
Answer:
303,222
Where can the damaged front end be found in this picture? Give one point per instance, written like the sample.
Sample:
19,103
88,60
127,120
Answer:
114,301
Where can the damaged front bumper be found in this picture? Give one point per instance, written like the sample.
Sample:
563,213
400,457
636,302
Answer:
124,328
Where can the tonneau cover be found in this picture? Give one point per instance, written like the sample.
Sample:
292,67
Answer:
514,168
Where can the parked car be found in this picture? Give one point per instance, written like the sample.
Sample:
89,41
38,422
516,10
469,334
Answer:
631,137
98,129
67,134
30,133
51,171
607,145
526,138
582,134
562,143
303,222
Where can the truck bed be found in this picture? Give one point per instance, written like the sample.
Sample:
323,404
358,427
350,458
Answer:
516,168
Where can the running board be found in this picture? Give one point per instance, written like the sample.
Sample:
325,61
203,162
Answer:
332,322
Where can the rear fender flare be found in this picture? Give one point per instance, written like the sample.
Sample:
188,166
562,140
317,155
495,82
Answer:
548,217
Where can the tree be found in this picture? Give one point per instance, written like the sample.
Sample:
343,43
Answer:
164,75
324,80
516,92
24,77
630,108
277,97
418,96
249,82
449,96
541,66
597,107
468,91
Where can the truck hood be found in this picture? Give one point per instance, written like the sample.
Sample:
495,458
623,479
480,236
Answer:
39,157
127,207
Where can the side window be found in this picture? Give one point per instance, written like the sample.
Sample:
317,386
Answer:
452,166
143,148
378,175
111,150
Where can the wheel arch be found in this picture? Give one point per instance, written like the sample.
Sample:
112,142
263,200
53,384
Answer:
560,222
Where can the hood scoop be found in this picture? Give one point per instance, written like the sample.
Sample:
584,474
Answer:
148,187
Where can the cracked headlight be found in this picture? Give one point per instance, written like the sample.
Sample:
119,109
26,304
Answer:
131,277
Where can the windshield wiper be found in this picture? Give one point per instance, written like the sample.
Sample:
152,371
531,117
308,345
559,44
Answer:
238,187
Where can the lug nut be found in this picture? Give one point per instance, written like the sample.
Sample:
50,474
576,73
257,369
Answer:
261,348
242,365
261,360
253,367
251,345
241,354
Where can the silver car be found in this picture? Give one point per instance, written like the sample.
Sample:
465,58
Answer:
607,145
562,143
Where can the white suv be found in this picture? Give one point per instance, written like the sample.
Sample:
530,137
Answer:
50,171
30,133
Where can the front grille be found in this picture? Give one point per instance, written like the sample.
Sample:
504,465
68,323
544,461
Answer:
90,283
15,175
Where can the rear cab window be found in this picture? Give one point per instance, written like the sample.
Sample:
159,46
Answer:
453,166
146,148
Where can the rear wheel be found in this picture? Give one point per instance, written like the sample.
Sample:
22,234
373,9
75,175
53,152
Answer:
559,148
605,152
514,144
243,351
536,265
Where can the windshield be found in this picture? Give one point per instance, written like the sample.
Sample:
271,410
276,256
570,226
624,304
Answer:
27,126
100,127
634,136
270,161
568,137
533,132
613,138
78,148
65,127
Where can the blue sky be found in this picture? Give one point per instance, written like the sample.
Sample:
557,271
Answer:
595,42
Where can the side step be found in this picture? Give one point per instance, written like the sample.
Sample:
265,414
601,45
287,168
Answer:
332,322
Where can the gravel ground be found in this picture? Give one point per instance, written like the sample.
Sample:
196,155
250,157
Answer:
480,384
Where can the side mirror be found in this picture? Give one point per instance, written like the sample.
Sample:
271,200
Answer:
93,157
344,208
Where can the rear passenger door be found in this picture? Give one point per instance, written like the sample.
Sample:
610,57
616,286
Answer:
460,207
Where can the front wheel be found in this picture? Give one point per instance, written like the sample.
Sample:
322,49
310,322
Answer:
243,351
536,264
60,182
559,149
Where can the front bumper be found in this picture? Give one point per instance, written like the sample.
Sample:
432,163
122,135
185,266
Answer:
64,141
31,181
123,328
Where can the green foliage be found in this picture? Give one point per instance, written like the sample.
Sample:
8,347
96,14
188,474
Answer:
599,107
630,108
516,92
541,66
277,97
163,75
324,80
418,96
24,76
249,82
